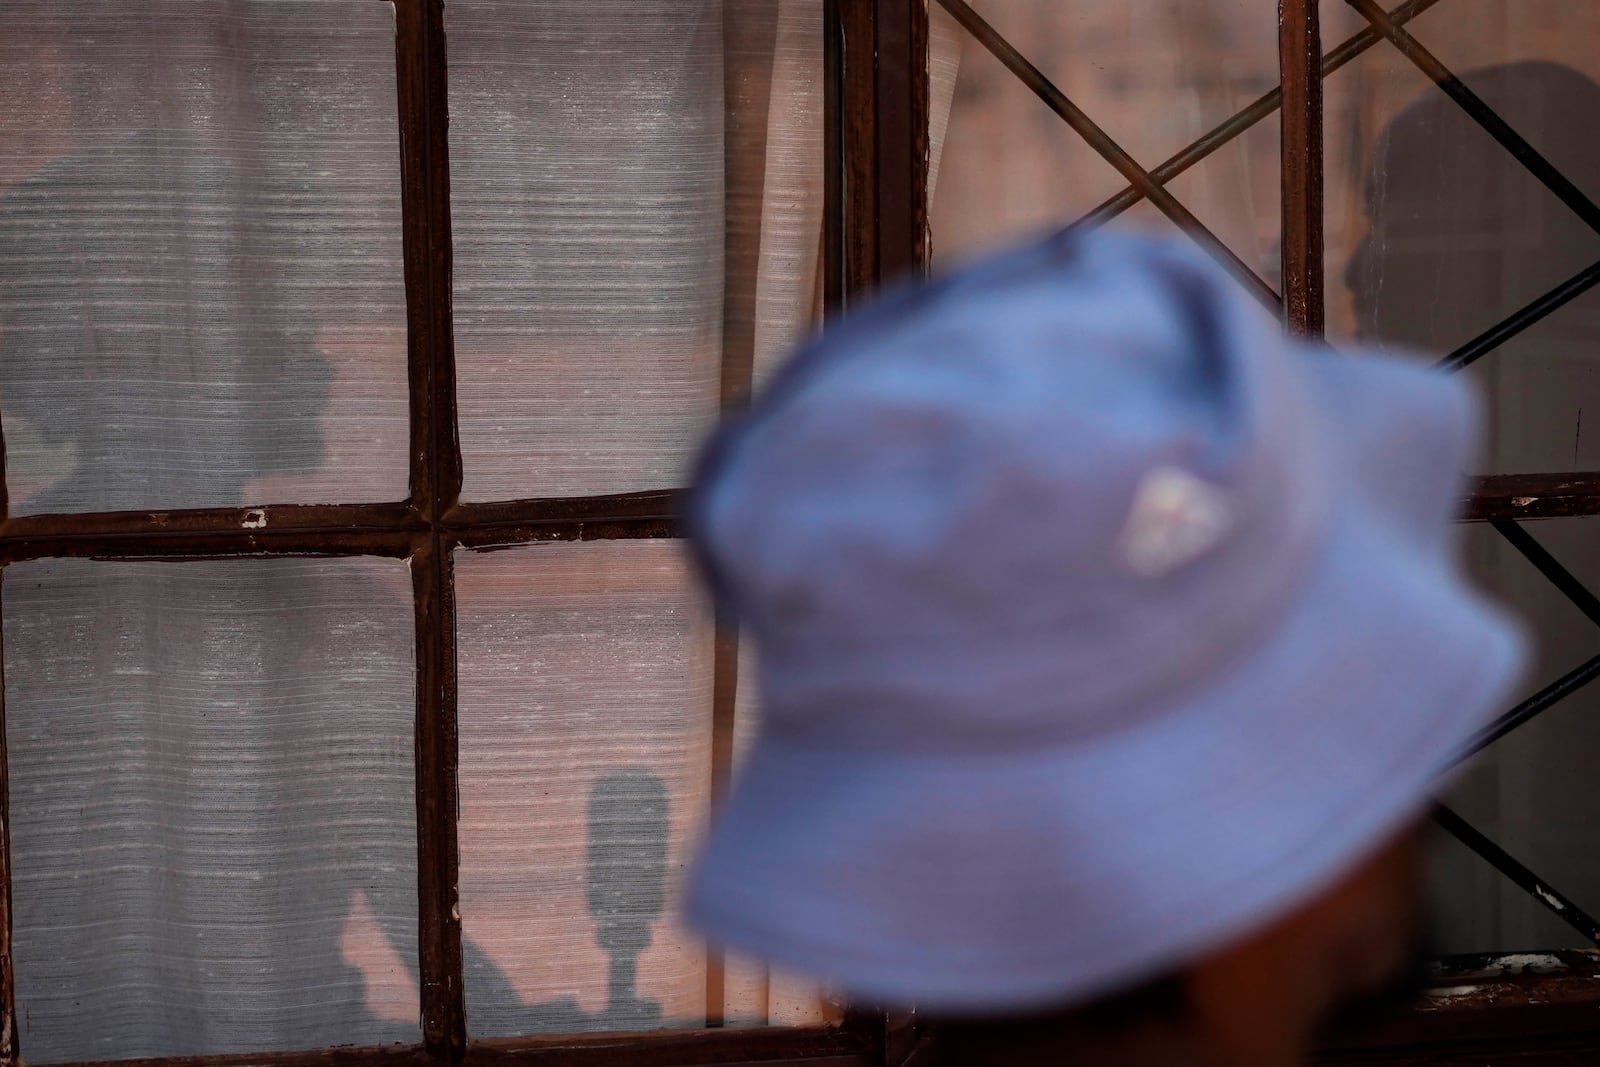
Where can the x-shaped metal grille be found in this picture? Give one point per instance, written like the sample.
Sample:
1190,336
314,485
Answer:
1152,184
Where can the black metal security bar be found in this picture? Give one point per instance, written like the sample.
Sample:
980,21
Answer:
1110,150
1234,127
1547,895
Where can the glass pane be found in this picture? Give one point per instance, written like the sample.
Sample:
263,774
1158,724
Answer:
585,716
213,829
637,202
1437,233
774,180
1533,792
201,300
1154,74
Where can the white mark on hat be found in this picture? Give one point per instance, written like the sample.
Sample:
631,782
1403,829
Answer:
1176,518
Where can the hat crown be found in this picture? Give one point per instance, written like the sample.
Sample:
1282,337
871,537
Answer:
1092,461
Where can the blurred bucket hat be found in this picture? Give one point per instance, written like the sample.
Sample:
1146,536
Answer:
1098,624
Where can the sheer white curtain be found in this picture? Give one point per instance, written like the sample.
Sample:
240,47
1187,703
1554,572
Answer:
201,304
210,763
212,828
195,200
716,204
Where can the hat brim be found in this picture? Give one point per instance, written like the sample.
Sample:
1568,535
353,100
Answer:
1006,881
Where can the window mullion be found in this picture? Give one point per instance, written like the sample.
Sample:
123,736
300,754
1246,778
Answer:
435,489
1300,62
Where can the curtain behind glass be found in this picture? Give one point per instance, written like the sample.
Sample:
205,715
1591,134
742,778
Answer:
213,837
199,215
201,305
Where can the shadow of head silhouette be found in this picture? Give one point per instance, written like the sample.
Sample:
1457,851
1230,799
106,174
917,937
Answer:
1460,230
1462,235
154,352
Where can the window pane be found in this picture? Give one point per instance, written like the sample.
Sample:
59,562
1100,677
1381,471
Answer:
1533,791
1154,74
586,160
213,814
1436,233
201,298
585,717
636,199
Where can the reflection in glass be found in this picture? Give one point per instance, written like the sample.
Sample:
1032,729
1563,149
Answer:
1437,233
1532,793
1461,235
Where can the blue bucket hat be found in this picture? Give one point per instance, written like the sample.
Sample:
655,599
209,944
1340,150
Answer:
1098,624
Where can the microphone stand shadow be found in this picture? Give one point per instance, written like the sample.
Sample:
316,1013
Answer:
625,891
